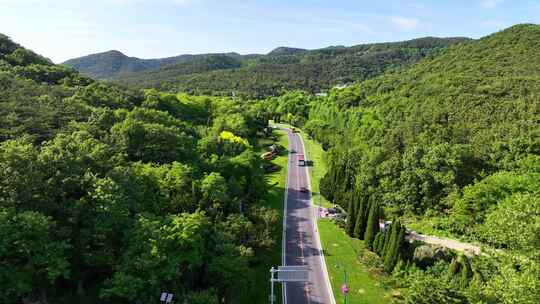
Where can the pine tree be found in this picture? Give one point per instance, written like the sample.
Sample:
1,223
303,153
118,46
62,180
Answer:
466,272
376,242
372,226
454,267
360,226
388,238
380,245
392,255
351,216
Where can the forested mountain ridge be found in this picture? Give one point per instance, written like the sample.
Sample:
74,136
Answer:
452,141
109,195
113,64
282,69
313,70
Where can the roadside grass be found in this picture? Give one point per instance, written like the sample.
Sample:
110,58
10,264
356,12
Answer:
341,253
258,289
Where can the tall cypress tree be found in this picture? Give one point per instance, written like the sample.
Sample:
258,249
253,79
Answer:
388,238
351,216
392,254
394,230
376,242
380,246
372,226
360,226
466,271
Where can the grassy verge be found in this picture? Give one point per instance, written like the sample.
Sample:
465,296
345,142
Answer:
341,254
259,287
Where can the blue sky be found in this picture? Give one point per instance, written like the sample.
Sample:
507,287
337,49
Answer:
64,29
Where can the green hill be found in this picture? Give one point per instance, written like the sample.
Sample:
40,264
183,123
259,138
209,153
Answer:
451,146
113,64
258,76
423,139
287,68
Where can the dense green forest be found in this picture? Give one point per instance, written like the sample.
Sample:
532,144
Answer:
258,76
454,139
113,196
110,194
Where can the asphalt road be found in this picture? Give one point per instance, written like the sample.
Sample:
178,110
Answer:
302,244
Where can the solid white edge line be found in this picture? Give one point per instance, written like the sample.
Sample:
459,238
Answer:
284,233
323,260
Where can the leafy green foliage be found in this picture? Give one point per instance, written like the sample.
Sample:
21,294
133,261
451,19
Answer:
109,195
31,258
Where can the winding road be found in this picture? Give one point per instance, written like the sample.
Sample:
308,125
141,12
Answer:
301,243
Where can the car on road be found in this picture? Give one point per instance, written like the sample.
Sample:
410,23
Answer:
304,190
334,210
293,151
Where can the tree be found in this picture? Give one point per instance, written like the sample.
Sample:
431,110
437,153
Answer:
394,248
151,142
466,272
214,192
361,220
32,257
351,214
388,238
379,239
426,288
515,224
372,226
152,261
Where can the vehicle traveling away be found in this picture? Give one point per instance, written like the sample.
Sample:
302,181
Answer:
301,159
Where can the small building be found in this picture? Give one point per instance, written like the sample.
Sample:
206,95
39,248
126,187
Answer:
301,160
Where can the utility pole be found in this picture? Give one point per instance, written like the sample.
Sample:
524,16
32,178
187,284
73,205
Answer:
272,280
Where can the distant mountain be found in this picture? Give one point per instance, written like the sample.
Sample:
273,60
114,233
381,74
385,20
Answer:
256,75
281,51
113,64
286,68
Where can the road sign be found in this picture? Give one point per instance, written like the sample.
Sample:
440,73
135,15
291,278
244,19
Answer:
166,297
292,274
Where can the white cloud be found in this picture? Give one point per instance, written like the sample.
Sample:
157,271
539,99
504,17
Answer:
404,23
490,3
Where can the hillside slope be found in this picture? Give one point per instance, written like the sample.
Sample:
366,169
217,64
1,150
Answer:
113,64
260,75
287,68
421,139
450,145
